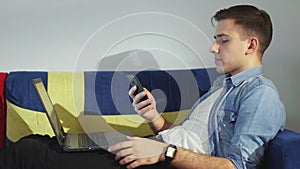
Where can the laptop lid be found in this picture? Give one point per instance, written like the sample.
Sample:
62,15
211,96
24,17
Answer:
50,111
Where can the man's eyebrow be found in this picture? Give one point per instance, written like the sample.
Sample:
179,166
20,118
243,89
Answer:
220,35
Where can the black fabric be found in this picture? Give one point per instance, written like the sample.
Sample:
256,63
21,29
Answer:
43,152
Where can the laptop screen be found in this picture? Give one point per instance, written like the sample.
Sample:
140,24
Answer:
49,108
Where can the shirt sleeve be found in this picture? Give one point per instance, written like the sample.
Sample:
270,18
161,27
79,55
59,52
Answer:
260,116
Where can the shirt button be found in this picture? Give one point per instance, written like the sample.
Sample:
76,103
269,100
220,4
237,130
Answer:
237,151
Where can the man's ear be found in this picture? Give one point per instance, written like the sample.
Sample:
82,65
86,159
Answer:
253,44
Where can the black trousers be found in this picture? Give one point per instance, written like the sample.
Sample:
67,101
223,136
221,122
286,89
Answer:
43,152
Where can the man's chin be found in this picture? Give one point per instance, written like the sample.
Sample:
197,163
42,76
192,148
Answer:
220,70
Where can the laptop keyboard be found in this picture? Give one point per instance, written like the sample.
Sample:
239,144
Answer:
92,140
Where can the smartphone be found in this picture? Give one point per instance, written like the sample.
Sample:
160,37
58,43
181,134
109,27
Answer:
134,81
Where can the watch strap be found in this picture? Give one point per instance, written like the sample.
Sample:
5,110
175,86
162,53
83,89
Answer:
170,153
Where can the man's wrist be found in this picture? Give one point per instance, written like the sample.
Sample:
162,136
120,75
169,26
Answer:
162,156
157,123
169,154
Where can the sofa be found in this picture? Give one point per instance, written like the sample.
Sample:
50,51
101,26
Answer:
102,98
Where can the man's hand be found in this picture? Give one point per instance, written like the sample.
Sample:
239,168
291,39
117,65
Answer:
138,151
147,108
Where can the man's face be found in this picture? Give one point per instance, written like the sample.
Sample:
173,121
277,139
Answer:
229,48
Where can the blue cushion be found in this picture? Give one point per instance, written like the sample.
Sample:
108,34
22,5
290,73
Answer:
284,151
20,91
108,88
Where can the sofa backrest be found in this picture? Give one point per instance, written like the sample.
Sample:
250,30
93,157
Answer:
103,93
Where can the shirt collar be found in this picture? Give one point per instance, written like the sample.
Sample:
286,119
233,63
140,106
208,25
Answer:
239,78
235,80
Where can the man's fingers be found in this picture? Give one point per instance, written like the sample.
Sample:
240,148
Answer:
119,146
132,91
123,153
139,162
137,99
127,160
139,106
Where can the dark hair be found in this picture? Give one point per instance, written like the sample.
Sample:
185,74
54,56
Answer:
253,21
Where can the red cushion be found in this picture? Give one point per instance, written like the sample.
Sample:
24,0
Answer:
2,109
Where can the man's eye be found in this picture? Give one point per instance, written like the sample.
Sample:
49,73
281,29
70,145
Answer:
224,41
221,40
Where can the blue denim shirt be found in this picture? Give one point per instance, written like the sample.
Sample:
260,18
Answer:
245,118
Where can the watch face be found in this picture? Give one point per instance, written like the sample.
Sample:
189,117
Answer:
171,151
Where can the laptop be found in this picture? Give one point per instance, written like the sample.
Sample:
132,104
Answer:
81,141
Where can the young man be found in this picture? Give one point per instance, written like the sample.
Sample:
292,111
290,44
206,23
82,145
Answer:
245,116
243,122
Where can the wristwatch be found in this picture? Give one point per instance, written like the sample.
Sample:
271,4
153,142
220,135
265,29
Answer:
170,153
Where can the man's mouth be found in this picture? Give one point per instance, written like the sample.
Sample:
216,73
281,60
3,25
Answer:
218,60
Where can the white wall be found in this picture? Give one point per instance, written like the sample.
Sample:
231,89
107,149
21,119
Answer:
52,35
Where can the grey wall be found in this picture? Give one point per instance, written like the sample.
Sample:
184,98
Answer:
50,35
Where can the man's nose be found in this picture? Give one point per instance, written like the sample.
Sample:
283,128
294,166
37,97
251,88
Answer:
214,48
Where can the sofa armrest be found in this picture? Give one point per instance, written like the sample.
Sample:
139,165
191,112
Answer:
283,151
3,76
